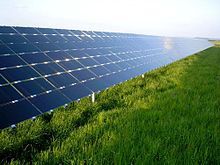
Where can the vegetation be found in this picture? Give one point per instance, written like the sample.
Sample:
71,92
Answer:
172,116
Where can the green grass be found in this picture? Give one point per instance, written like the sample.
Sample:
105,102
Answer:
172,116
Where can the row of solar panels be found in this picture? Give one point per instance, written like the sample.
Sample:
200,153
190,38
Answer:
41,69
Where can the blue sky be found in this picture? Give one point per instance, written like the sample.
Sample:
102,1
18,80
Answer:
188,18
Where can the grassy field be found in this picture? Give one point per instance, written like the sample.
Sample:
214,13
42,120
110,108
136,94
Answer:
216,42
172,116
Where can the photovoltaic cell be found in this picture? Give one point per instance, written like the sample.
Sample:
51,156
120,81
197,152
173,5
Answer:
113,58
16,112
32,58
2,80
61,80
56,38
96,84
76,53
4,50
83,74
8,94
102,60
112,67
99,70
18,74
42,68
46,69
71,38
63,31
70,65
46,31
23,48
10,61
60,55
87,62
76,92
46,46
12,39
49,101
65,45
33,87
26,30
36,38
6,29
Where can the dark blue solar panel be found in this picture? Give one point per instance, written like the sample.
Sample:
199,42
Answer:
63,31
112,79
60,55
76,32
35,58
12,39
7,94
4,50
23,48
47,46
16,112
51,68
46,31
112,67
47,68
132,62
71,65
6,29
10,61
22,73
83,74
88,62
61,80
65,45
99,70
123,65
56,38
26,30
49,101
76,53
36,38
102,60
2,80
96,84
76,92
33,87
113,58
72,38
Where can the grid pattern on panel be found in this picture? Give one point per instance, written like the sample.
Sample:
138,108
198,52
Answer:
40,65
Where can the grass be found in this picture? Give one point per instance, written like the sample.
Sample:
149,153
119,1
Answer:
172,116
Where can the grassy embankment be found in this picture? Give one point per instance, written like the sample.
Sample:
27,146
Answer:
171,116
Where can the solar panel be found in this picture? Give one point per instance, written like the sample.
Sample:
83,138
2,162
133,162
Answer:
42,69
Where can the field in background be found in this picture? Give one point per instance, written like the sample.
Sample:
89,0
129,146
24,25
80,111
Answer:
172,116
216,42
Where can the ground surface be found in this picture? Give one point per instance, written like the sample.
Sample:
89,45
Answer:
172,116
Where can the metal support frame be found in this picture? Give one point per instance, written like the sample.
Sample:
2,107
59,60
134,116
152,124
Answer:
93,97
13,126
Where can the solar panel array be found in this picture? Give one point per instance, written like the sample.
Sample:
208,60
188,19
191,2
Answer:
42,69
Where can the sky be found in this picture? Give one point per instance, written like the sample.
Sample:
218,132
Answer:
182,18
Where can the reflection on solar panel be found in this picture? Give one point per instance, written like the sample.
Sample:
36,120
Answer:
42,69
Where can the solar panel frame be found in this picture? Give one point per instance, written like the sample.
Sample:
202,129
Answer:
39,65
